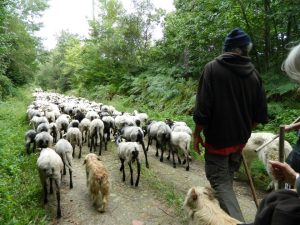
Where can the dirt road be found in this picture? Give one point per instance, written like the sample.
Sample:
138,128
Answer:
136,206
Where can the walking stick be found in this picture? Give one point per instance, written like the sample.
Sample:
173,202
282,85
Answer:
250,181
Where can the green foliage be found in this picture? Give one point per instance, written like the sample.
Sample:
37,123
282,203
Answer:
20,190
6,87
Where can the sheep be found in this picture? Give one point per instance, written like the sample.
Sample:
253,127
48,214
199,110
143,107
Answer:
74,136
96,131
84,127
65,150
36,121
269,152
180,143
97,181
74,123
203,208
43,140
50,115
91,115
109,124
161,132
62,123
50,166
79,115
53,131
134,133
128,152
30,139
42,127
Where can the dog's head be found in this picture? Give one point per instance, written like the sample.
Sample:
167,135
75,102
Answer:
91,156
196,196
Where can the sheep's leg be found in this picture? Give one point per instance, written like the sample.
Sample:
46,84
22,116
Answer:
65,172
80,149
58,199
123,168
162,153
74,146
145,153
188,163
178,158
92,143
51,186
101,140
34,147
138,173
131,173
174,163
122,164
157,146
45,192
27,146
71,181
149,142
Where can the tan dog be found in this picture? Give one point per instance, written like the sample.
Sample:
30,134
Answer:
204,209
97,181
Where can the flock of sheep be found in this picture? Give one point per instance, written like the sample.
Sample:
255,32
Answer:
62,123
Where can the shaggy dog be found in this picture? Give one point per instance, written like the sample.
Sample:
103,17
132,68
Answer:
204,209
97,181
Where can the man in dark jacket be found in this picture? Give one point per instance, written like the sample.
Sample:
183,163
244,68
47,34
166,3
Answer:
230,102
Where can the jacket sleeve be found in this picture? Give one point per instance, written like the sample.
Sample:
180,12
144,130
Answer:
204,98
261,108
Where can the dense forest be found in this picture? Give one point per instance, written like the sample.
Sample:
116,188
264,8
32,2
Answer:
121,61
121,58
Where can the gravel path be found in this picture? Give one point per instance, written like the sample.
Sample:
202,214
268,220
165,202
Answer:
135,206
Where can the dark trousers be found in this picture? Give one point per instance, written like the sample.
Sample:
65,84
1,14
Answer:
219,171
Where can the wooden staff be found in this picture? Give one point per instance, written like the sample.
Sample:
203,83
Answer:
250,181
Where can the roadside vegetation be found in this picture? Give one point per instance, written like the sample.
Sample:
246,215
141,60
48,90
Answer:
20,188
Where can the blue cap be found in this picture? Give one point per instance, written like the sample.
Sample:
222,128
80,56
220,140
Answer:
236,38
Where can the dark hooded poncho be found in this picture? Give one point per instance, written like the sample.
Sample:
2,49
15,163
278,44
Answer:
230,99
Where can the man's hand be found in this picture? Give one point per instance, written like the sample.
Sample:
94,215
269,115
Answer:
197,141
283,172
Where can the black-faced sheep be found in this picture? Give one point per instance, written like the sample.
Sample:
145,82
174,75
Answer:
128,153
160,132
204,209
30,139
135,134
180,144
65,150
74,136
50,167
97,181
43,140
96,133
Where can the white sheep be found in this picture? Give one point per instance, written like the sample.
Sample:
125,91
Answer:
74,136
97,181
42,127
96,133
135,134
65,150
50,166
36,121
62,123
180,143
43,140
84,127
128,153
269,152
204,209
160,132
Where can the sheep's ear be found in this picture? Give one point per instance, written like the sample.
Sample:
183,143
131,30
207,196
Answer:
194,195
210,193
99,158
